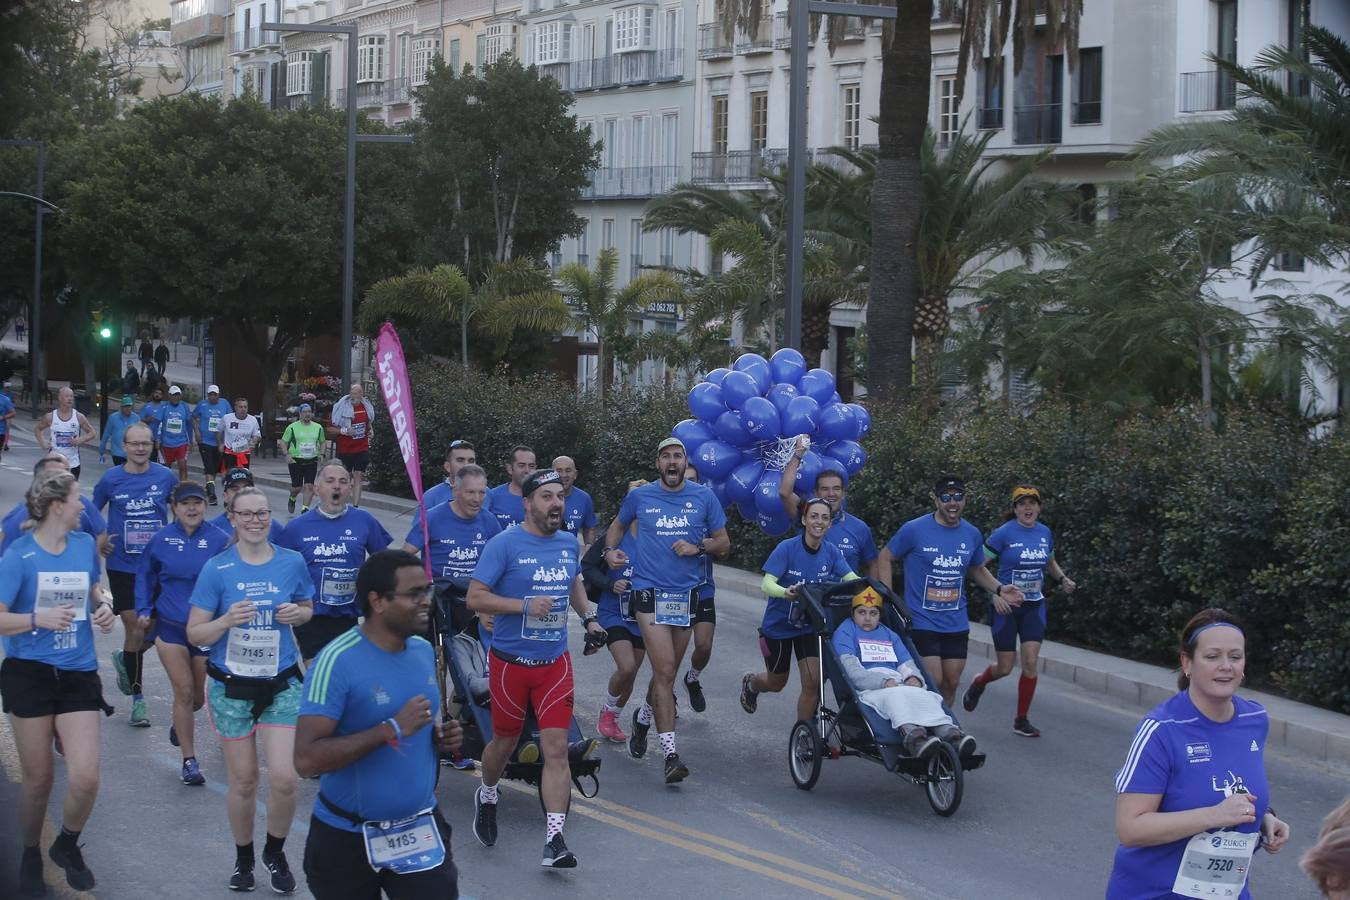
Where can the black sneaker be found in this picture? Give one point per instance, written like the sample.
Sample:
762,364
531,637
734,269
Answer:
676,770
30,874
283,882
579,751
637,738
484,820
557,856
749,699
697,702
963,743
211,492
1025,728
290,505
971,698
242,879
69,857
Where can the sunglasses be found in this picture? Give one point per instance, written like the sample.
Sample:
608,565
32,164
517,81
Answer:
455,445
952,496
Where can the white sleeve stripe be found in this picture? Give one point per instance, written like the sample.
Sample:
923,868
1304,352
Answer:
1132,758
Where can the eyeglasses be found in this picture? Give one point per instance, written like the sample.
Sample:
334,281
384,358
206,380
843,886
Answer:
249,515
952,496
416,594
140,445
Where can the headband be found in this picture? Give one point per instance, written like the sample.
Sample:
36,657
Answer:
1196,634
867,597
538,479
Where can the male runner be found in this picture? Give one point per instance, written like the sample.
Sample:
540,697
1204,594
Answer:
705,625
368,727
239,435
150,415
526,577
847,532
206,418
579,513
302,441
175,432
353,416
505,501
118,423
458,532
678,523
235,481
68,430
460,453
91,520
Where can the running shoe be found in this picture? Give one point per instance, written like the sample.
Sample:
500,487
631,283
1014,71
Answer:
609,727
173,735
463,764
192,774
290,506
30,874
139,718
676,770
637,740
577,751
919,743
211,492
67,855
528,754
1025,728
242,879
697,701
964,743
557,856
971,698
120,666
283,882
749,698
484,820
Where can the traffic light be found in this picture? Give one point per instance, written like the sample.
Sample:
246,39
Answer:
105,332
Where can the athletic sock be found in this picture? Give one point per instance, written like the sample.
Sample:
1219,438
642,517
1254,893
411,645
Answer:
611,703
555,825
243,855
691,677
488,793
644,715
667,739
1026,689
986,676
273,846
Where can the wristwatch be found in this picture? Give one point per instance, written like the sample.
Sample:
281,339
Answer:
588,619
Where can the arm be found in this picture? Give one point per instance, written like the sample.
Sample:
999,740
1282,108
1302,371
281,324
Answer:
87,433
865,679
717,545
146,580
409,548
105,441
481,599
204,630
40,430
884,564
1139,824
318,750
594,570
1006,596
772,588
1057,573
789,480
615,558
196,435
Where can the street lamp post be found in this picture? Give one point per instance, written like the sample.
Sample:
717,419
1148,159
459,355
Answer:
35,370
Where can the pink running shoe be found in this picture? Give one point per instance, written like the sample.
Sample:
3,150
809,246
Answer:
609,727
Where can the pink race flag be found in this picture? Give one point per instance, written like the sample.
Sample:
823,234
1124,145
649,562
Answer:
392,370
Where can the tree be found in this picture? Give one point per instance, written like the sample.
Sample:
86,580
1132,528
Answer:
987,24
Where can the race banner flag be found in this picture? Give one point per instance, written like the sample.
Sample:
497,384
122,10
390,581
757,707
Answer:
392,369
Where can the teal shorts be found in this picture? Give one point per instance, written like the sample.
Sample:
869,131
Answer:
233,719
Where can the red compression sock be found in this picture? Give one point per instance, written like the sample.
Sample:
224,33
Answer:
1026,689
986,676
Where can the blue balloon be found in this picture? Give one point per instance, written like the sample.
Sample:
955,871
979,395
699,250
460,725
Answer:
757,367
787,366
761,419
737,388
693,433
719,489
780,394
716,459
729,428
864,419
766,492
800,416
747,510
775,524
817,384
705,401
835,398
850,453
830,464
742,480
807,470
716,375
836,422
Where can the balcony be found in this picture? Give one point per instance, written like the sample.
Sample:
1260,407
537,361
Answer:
854,30
730,167
782,33
1207,92
1042,124
630,182
638,67
373,94
989,118
196,21
249,39
396,91
759,42
300,101
712,42
1087,112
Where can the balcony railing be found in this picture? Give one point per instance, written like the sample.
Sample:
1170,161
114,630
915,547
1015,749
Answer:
1087,112
639,67
300,101
854,29
396,90
370,94
197,20
1207,91
255,39
759,42
989,117
632,181
712,42
746,166
1042,124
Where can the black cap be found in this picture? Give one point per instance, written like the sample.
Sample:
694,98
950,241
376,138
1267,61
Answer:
238,475
537,479
949,483
187,490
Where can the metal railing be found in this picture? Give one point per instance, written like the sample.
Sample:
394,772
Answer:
744,166
300,101
639,67
759,42
254,38
631,181
712,42
1041,124
1087,112
376,93
396,90
989,117
1207,91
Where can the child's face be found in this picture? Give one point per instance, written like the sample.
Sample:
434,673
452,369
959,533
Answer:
866,617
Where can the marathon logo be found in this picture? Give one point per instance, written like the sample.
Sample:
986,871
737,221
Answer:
1035,554
527,561
672,522
942,561
463,554
330,550
556,574
1196,753
141,505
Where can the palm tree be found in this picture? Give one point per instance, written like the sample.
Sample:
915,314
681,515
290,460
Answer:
987,24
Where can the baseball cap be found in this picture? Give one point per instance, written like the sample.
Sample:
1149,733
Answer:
187,490
304,407
175,390
213,389
127,400
537,479
238,475
670,442
949,483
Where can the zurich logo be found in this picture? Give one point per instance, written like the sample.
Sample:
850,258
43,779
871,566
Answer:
1216,841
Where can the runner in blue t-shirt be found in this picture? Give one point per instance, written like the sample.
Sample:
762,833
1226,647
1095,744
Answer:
459,530
526,578
206,418
615,612
937,551
244,606
679,524
460,453
579,511
6,413
150,415
1025,551
505,501
1192,800
334,538
705,625
849,533
91,520
175,432
368,728
136,494
236,480
784,632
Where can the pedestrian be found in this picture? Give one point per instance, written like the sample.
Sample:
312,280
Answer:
1192,800
175,432
117,426
376,826
146,353
20,328
162,356
7,412
49,684
245,606
206,418
353,416
1328,861
131,381
152,381
301,442
64,430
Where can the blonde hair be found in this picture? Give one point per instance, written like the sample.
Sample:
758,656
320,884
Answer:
1328,862
246,491
46,489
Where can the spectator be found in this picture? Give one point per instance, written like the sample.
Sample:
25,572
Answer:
20,326
151,382
131,381
146,353
162,356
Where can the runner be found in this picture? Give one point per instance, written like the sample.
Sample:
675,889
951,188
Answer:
239,435
353,416
174,558
68,430
505,501
376,826
615,613
459,530
91,520
334,540
579,512
235,481
175,435
938,550
525,579
49,679
137,495
302,440
849,533
705,625
457,455
1192,800
6,413
244,606
784,632
151,415
206,418
1025,551
118,423
678,523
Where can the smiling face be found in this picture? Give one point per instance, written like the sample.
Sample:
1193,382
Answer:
545,508
830,488
866,617
816,520
949,504
252,517
470,491
671,463
408,610
190,512
1216,663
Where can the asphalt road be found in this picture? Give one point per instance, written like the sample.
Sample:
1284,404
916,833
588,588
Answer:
1036,822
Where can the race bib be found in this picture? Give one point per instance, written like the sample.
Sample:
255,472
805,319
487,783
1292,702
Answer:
58,589
337,586
626,607
358,431
239,443
548,627
872,651
253,652
136,534
404,846
942,593
173,426
307,449
1029,582
672,608
1215,864
63,439
213,424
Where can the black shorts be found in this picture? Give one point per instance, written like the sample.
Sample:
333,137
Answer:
620,634
942,644
123,587
210,460
31,689
75,470
336,868
319,631
303,471
778,652
355,462
705,610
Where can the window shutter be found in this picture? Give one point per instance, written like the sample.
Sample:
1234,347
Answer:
565,46
319,75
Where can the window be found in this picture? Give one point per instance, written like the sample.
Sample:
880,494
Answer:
403,43
456,60
668,247
499,39
635,247
670,139
553,43
852,115
991,94
759,121
206,63
633,27
583,258
1087,107
719,124
1086,211
609,152
639,153
948,116
370,59
1288,262
606,233
670,32
299,70
424,50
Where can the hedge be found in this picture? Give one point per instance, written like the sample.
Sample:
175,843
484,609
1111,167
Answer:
1155,516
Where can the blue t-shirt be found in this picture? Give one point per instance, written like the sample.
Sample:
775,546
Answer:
509,508
438,495
854,539
792,562
611,607
275,532
138,506
358,685
206,416
334,550
91,522
578,511
226,579
691,514
115,430
175,427
173,560
708,589
29,575
6,407
150,411
1192,762
872,648
1022,554
518,563
456,542
936,559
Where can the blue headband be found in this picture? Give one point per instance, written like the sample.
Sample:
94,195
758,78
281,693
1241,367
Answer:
1195,635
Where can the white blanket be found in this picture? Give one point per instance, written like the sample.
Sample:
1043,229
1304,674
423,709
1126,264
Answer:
907,705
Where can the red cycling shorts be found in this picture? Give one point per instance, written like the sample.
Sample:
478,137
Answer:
516,689
174,454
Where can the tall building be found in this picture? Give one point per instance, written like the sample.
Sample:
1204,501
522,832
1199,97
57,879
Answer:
197,29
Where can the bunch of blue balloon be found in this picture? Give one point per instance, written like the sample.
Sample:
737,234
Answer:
746,421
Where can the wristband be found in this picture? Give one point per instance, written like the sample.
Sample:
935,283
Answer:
587,620
524,606
398,732
998,591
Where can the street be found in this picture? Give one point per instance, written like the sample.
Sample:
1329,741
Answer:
1036,821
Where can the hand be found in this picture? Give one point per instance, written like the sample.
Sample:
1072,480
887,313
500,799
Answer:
914,681
890,682
414,716
342,431
1238,809
449,735
802,445
104,617
792,592
623,586
539,606
291,614
239,614
57,619
1068,584
1001,606
616,558
1275,832
107,547
142,622
684,548
1012,595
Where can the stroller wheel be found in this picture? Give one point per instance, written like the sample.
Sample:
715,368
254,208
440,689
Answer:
805,751
944,780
